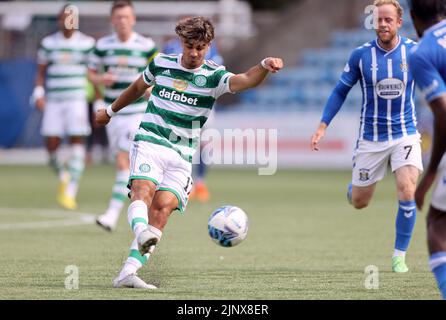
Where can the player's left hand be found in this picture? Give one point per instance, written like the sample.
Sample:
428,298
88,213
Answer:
273,64
102,118
423,188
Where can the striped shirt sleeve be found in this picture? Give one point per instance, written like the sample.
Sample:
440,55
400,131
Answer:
352,73
147,75
94,59
42,55
223,83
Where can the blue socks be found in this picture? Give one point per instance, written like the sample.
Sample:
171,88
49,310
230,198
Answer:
349,193
437,263
405,222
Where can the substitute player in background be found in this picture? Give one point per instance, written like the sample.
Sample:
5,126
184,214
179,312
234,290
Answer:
60,93
200,190
116,62
388,130
428,63
186,87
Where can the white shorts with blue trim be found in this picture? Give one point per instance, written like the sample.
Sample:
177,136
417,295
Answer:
371,159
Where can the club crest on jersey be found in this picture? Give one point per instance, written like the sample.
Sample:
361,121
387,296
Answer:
144,168
390,88
200,80
180,84
364,175
404,67
65,57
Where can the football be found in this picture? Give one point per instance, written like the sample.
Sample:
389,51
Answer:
228,226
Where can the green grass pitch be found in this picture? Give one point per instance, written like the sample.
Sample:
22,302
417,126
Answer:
304,242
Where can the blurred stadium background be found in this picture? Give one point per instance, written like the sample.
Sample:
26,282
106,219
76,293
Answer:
314,38
306,260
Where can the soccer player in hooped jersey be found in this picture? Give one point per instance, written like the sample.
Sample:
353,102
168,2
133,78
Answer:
185,89
388,132
428,63
122,57
60,93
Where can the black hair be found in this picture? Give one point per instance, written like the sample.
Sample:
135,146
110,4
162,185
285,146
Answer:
427,10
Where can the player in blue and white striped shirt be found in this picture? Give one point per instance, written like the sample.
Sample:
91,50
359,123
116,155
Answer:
388,132
428,63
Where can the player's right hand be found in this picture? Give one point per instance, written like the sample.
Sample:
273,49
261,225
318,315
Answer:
102,118
40,104
316,137
108,79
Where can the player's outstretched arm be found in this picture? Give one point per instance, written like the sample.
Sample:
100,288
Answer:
132,93
332,107
254,76
438,107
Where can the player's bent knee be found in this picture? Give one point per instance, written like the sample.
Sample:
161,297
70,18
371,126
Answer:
359,204
406,192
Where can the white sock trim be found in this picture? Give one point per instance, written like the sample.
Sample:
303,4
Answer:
131,266
78,150
122,175
399,253
435,263
137,209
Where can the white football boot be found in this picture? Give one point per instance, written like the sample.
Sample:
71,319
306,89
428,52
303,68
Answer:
107,222
132,281
147,241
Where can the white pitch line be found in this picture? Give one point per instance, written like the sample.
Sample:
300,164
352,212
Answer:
74,219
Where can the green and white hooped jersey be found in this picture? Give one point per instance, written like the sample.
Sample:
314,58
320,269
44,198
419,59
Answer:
180,103
66,60
126,60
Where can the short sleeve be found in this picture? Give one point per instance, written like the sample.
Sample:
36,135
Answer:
427,76
147,74
42,55
223,83
352,72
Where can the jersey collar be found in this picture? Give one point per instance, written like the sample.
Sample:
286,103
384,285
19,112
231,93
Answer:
387,52
72,38
435,26
183,68
129,40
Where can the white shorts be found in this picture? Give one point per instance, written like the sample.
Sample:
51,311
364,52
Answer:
121,131
164,167
65,118
371,159
439,195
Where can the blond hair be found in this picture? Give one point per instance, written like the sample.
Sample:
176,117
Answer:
395,3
